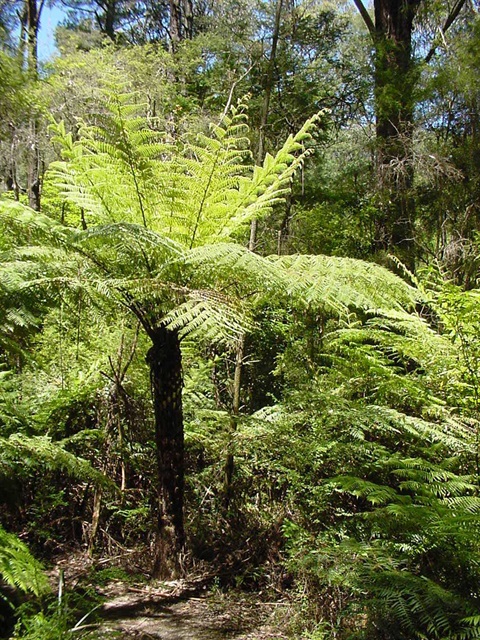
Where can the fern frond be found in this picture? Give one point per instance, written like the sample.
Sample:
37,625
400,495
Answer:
41,450
270,183
198,193
341,283
374,493
233,266
209,315
18,568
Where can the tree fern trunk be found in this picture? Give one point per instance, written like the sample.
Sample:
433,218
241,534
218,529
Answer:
164,359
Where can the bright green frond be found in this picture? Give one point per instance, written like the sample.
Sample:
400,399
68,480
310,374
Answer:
197,192
235,267
340,283
18,568
209,316
40,450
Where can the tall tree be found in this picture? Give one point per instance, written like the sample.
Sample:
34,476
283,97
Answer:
181,21
395,79
138,22
32,13
108,15
30,20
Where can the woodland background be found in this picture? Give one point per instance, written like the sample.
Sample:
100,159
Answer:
239,315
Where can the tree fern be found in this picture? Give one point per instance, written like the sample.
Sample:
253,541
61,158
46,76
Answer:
159,223
342,283
157,207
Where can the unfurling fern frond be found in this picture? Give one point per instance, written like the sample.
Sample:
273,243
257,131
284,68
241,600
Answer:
197,192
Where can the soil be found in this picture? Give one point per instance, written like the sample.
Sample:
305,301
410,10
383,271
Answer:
177,610
196,618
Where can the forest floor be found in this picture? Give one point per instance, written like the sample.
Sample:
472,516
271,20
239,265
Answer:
206,617
190,609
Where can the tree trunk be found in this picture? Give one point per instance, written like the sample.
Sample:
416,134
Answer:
97,507
181,22
187,19
260,155
395,78
12,181
269,81
33,167
109,19
230,459
33,11
165,361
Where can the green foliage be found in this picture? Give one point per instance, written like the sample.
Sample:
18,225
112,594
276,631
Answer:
366,464
151,201
207,191
57,620
371,464
458,313
24,452
18,568
362,477
14,96
39,626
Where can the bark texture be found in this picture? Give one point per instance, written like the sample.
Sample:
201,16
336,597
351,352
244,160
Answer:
110,20
165,362
181,21
395,79
32,14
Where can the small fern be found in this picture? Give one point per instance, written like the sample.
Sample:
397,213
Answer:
18,568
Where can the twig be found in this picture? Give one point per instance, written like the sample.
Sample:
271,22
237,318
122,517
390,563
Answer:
121,555
92,625
448,22
230,95
78,625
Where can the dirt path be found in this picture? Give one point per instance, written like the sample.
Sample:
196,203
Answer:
175,614
177,610
193,619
